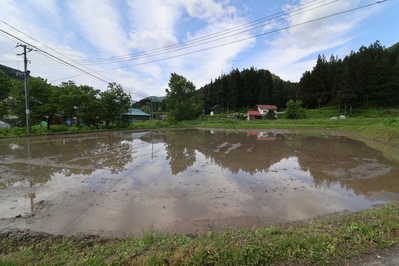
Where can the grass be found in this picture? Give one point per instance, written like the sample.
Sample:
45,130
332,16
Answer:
381,129
326,241
54,129
381,125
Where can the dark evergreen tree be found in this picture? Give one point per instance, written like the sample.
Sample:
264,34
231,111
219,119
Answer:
235,89
266,87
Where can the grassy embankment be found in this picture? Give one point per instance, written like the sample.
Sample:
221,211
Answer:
325,241
381,125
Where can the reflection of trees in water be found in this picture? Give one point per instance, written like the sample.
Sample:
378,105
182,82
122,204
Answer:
111,152
180,149
71,155
233,151
347,162
329,159
239,152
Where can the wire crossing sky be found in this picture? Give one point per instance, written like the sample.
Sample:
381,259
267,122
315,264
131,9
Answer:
138,43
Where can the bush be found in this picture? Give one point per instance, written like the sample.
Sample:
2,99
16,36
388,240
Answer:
37,130
294,110
270,115
172,120
18,131
391,122
74,129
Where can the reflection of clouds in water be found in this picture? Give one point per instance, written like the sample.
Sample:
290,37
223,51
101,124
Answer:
290,166
15,146
233,147
193,174
59,186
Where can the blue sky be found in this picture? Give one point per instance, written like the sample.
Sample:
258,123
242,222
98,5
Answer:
138,43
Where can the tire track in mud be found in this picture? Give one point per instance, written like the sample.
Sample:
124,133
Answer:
79,217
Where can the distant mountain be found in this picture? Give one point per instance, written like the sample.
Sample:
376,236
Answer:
11,72
156,98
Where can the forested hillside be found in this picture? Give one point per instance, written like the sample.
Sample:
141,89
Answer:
11,72
367,77
241,90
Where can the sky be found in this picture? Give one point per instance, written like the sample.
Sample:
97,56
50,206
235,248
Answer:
139,43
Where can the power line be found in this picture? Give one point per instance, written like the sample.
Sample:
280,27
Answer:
48,47
218,36
211,37
62,61
244,39
55,57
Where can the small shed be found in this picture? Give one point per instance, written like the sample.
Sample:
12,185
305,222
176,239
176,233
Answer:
136,114
162,117
4,125
252,115
214,109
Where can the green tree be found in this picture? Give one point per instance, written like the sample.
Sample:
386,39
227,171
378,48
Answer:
43,100
266,87
115,102
90,107
70,99
294,110
146,109
270,115
180,99
234,88
250,86
5,87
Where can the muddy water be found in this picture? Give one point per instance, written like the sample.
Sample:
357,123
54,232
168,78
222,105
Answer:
184,181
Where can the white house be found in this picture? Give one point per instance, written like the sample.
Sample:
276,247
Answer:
261,110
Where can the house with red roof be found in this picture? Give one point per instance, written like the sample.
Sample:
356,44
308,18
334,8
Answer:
260,111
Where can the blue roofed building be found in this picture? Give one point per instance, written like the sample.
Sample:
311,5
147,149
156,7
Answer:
135,114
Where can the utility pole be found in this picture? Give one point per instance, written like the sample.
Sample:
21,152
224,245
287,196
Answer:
152,115
26,74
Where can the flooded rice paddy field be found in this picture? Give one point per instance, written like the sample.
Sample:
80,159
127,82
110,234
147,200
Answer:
185,181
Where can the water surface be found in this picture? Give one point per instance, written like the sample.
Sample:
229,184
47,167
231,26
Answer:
183,181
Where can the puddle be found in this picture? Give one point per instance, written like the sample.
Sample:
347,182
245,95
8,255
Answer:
184,181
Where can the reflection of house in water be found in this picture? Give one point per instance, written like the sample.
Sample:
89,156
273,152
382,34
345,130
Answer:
262,135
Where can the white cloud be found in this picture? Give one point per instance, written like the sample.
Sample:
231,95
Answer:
99,23
291,47
207,10
314,26
48,8
130,26
154,31
153,23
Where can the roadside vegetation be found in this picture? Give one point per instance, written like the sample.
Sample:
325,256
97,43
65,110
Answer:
381,125
328,241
